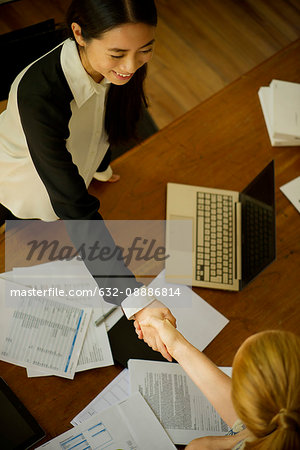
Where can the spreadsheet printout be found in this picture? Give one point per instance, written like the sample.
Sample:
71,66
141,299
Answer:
41,332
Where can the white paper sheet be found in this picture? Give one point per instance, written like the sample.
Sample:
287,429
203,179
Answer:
95,350
115,392
196,319
67,281
292,191
182,409
265,97
130,425
67,277
285,109
41,332
7,276
70,277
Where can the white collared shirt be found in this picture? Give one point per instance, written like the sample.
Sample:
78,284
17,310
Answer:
74,102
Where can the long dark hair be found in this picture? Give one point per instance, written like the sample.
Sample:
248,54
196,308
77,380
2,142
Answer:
95,17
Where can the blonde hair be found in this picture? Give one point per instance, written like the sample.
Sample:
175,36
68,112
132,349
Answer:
266,389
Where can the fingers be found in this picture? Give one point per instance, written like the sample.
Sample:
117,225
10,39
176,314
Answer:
137,325
160,324
138,329
169,316
140,334
157,345
152,339
163,350
154,327
114,178
153,324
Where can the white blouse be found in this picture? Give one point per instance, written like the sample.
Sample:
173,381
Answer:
76,102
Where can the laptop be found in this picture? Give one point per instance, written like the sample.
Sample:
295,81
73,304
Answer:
232,234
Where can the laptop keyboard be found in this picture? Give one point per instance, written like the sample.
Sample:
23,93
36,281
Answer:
214,255
258,245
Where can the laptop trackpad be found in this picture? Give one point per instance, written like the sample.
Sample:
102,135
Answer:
181,233
179,264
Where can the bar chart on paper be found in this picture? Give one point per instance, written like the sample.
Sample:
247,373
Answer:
129,425
97,435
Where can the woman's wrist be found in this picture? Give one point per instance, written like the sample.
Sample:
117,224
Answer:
180,348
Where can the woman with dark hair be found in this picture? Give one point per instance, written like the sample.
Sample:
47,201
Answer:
66,108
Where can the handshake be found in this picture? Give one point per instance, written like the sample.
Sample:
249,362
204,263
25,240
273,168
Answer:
156,325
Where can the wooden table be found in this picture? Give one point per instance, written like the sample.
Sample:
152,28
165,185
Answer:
221,143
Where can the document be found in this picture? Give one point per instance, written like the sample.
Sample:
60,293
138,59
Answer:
67,281
285,109
292,191
95,350
77,287
180,406
129,425
280,103
115,392
40,332
264,95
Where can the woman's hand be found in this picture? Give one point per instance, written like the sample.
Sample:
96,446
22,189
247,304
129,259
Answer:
213,443
145,321
199,444
162,324
169,335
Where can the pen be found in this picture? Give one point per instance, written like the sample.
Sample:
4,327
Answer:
102,318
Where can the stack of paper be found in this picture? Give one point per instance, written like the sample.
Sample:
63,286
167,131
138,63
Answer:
280,102
175,400
48,313
180,406
129,425
52,333
47,326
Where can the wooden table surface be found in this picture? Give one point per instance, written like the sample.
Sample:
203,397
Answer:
221,143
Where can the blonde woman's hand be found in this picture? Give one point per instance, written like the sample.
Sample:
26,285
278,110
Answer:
200,444
155,313
217,442
164,328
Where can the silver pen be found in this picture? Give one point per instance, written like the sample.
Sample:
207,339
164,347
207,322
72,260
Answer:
102,318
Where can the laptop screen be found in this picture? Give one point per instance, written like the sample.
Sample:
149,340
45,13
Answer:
258,224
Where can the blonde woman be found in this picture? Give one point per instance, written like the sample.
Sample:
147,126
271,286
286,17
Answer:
261,403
